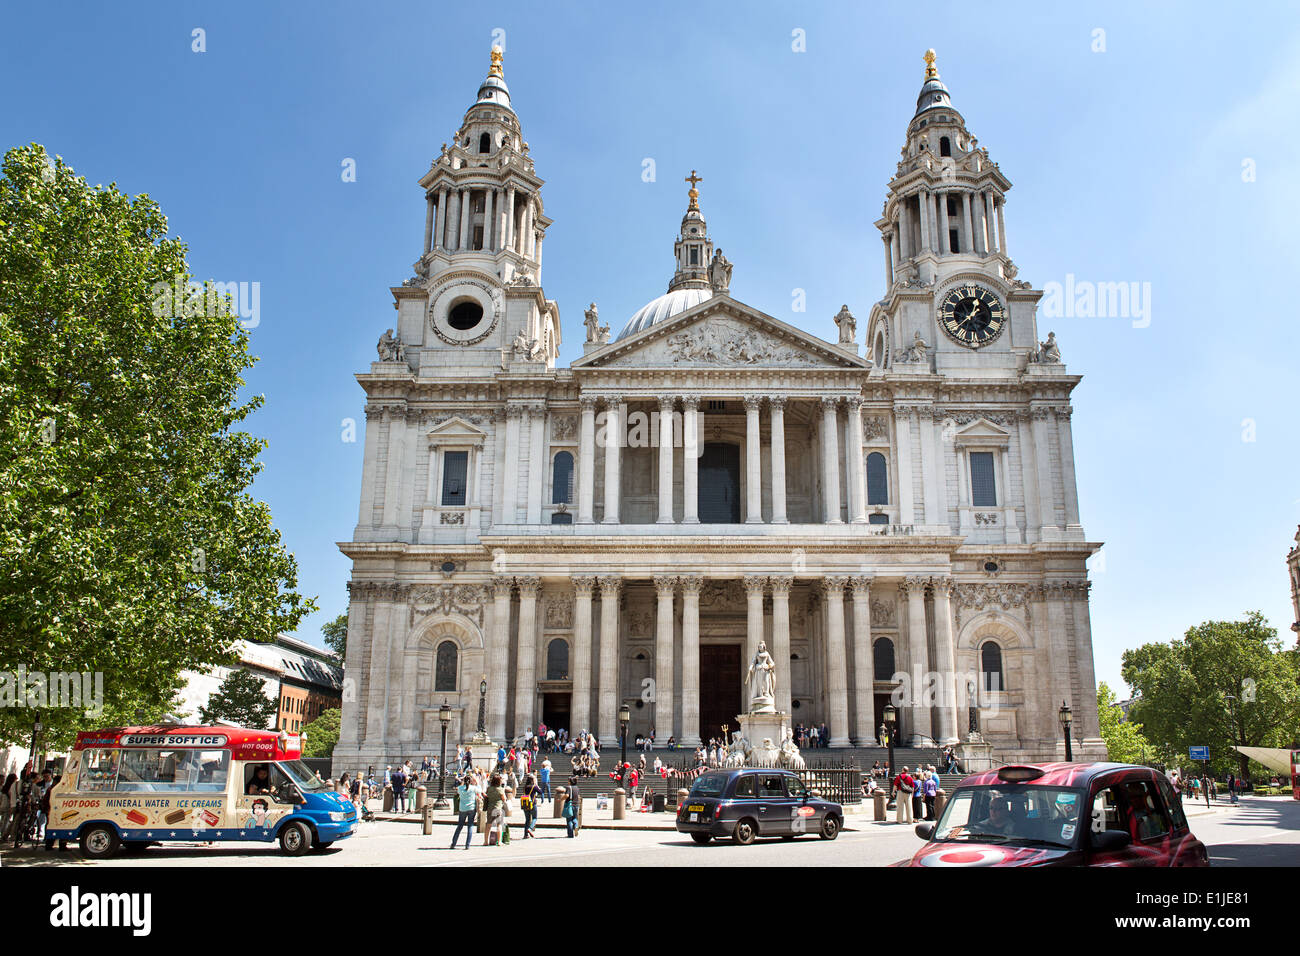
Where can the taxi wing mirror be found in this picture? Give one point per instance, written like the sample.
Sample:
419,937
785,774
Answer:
925,830
1108,841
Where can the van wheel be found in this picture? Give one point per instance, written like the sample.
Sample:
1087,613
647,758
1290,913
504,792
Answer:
99,841
701,838
744,832
295,839
830,828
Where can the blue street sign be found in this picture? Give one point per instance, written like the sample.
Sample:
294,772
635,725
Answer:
1198,753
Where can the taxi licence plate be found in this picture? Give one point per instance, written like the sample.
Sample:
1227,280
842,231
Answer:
696,808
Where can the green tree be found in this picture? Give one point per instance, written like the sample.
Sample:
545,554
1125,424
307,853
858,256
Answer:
323,733
1124,740
241,699
336,635
129,545
1224,684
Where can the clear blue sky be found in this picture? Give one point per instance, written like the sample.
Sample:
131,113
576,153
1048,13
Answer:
1127,166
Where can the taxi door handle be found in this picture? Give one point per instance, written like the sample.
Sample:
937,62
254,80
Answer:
762,806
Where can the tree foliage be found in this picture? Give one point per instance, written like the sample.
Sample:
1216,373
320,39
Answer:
336,635
241,699
129,544
323,733
1124,740
1224,684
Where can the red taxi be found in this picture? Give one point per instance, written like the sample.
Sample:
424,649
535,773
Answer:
1061,814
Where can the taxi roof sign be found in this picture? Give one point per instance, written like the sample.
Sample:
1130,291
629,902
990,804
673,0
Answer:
1019,773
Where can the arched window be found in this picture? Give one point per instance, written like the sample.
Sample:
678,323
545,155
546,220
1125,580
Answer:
444,673
485,144
562,479
557,660
877,480
945,146
883,658
991,666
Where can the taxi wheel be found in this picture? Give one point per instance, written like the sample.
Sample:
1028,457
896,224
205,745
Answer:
295,839
325,845
701,838
99,841
830,828
744,832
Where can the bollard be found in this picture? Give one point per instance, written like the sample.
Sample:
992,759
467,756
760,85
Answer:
561,795
421,794
428,817
940,801
620,803
880,798
388,799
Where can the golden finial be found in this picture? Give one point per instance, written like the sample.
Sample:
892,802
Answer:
497,57
930,72
694,193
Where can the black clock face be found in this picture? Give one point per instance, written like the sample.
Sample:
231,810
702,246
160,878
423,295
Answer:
971,315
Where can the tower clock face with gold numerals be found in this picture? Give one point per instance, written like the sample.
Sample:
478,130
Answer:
972,315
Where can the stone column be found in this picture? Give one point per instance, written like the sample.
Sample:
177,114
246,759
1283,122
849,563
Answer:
489,232
369,489
889,262
666,404
945,247
607,716
947,664
837,661
776,407
755,585
587,461
914,588
690,460
536,462
526,656
753,461
1043,462
981,227
466,203
966,220
580,664
510,218
440,229
864,680
857,466
691,585
989,222
613,455
498,655
895,248
904,232
377,690
510,480
1065,438
781,585
1087,718
393,518
930,469
665,586
831,459
1002,229
923,213
428,223
903,440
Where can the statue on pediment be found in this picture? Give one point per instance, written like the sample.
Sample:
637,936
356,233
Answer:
719,273
848,326
389,348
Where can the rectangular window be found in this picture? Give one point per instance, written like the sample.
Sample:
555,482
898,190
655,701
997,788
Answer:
98,770
695,256
983,487
173,771
455,467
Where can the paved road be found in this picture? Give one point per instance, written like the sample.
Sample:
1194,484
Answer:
1260,832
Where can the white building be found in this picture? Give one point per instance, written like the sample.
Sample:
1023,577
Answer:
911,510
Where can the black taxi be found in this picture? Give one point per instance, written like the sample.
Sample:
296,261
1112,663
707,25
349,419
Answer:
744,804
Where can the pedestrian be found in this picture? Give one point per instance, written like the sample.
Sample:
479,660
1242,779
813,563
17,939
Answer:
931,786
466,810
398,782
528,797
904,787
8,800
494,809
572,809
545,778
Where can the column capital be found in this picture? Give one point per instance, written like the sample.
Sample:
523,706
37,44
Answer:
665,583
610,585
691,583
942,585
861,584
755,584
588,402
913,585
830,402
583,584
835,583
502,585
854,402
776,403
691,402
613,400
781,584
529,585
1063,412
514,411
753,403
667,402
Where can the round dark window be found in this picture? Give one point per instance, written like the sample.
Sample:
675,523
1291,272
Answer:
448,567
465,315
990,566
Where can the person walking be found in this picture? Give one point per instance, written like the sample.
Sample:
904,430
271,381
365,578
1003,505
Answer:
466,810
398,782
494,809
572,809
545,776
931,788
529,794
904,787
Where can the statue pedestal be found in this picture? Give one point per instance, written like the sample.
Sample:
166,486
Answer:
759,727
974,754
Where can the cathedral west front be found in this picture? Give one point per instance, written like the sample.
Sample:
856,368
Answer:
894,513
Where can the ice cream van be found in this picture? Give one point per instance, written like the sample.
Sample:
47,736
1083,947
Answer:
141,785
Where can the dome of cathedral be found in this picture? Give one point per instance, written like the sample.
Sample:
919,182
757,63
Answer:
664,308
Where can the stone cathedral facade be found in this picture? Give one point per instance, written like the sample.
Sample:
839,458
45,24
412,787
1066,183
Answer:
894,512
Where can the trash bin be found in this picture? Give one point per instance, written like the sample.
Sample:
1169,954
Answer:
660,802
880,798
421,794
388,799
561,795
940,800
620,803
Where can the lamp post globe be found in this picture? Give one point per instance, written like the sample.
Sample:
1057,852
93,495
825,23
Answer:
444,718
624,718
1067,718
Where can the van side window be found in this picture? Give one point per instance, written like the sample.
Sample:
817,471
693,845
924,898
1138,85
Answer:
98,770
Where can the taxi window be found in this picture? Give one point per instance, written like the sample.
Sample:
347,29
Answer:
745,787
1174,805
98,770
769,787
1131,806
709,785
795,788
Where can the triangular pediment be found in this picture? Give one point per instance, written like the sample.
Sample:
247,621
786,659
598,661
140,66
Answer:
456,431
982,431
721,333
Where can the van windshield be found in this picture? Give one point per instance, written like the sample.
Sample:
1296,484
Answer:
301,775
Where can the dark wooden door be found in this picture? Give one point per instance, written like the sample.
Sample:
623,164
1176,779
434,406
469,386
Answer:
555,711
719,483
721,693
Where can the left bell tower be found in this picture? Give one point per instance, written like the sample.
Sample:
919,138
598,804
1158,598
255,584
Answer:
476,299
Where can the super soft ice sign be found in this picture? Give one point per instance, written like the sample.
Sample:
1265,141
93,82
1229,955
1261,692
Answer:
173,740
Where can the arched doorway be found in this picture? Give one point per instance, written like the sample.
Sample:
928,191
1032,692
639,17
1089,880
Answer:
719,483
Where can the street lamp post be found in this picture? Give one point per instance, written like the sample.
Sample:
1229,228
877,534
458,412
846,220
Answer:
444,717
1067,718
891,720
624,718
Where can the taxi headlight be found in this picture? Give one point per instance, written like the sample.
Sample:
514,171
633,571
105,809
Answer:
338,816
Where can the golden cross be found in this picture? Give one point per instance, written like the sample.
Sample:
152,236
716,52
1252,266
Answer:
693,179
